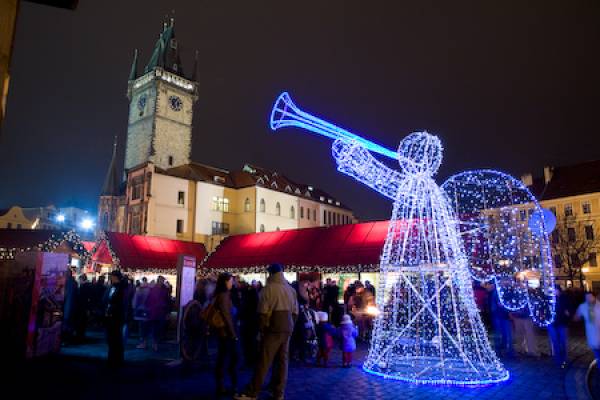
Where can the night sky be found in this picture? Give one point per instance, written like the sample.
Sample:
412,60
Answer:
511,85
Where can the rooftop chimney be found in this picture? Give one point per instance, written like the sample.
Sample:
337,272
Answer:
548,174
527,179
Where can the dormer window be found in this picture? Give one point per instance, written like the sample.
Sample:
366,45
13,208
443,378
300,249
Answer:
329,201
218,179
175,67
260,181
322,198
288,189
274,185
297,191
337,203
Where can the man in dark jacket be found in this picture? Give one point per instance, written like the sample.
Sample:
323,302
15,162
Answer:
114,319
278,311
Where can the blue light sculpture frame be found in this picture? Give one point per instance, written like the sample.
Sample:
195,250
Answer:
429,330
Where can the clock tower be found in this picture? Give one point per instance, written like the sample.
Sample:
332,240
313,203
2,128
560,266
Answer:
161,101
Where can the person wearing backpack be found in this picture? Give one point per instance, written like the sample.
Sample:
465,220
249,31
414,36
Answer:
227,334
347,332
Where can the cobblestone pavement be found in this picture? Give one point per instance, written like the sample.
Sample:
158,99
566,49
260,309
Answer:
80,373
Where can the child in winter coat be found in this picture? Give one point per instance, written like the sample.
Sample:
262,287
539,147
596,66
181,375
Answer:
347,333
325,333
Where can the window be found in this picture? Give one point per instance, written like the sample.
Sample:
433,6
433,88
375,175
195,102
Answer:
220,228
568,210
220,204
136,192
586,207
262,206
329,217
571,234
247,205
315,214
262,228
19,226
277,209
302,212
181,197
555,237
523,214
553,209
593,261
105,220
170,161
292,212
277,229
179,226
589,232
557,261
8,225
324,217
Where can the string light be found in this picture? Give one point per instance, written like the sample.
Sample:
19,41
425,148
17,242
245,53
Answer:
505,234
429,329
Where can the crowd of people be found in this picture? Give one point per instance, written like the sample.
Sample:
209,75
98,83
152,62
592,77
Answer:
119,305
261,327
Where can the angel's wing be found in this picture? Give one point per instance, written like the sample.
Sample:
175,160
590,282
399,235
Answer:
505,238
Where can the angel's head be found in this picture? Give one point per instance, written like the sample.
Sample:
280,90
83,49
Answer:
420,153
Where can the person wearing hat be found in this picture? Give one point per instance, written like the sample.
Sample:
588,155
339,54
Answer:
114,320
278,311
325,333
347,332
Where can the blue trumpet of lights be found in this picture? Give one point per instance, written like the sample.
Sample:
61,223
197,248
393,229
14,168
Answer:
285,113
429,329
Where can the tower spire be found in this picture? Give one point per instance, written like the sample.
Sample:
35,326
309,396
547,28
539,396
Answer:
133,74
111,182
195,71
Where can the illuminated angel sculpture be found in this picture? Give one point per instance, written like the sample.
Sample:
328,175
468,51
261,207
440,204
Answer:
429,329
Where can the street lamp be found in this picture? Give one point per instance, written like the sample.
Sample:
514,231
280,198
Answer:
60,218
87,224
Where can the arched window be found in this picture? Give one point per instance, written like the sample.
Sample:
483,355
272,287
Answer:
247,205
277,209
292,212
262,228
302,213
262,205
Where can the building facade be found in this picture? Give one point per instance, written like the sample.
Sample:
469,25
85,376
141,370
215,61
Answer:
572,193
14,218
164,194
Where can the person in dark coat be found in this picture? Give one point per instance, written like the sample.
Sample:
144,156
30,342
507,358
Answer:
114,319
249,324
227,349
158,303
558,329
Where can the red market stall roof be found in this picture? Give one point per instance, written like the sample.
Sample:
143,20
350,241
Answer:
130,252
13,240
354,247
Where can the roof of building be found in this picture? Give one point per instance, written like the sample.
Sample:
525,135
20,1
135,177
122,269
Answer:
25,239
112,184
166,52
570,180
354,247
251,175
144,252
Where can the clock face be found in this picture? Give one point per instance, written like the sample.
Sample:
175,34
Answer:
175,103
141,104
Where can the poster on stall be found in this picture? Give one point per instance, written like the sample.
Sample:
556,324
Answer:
47,299
186,284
